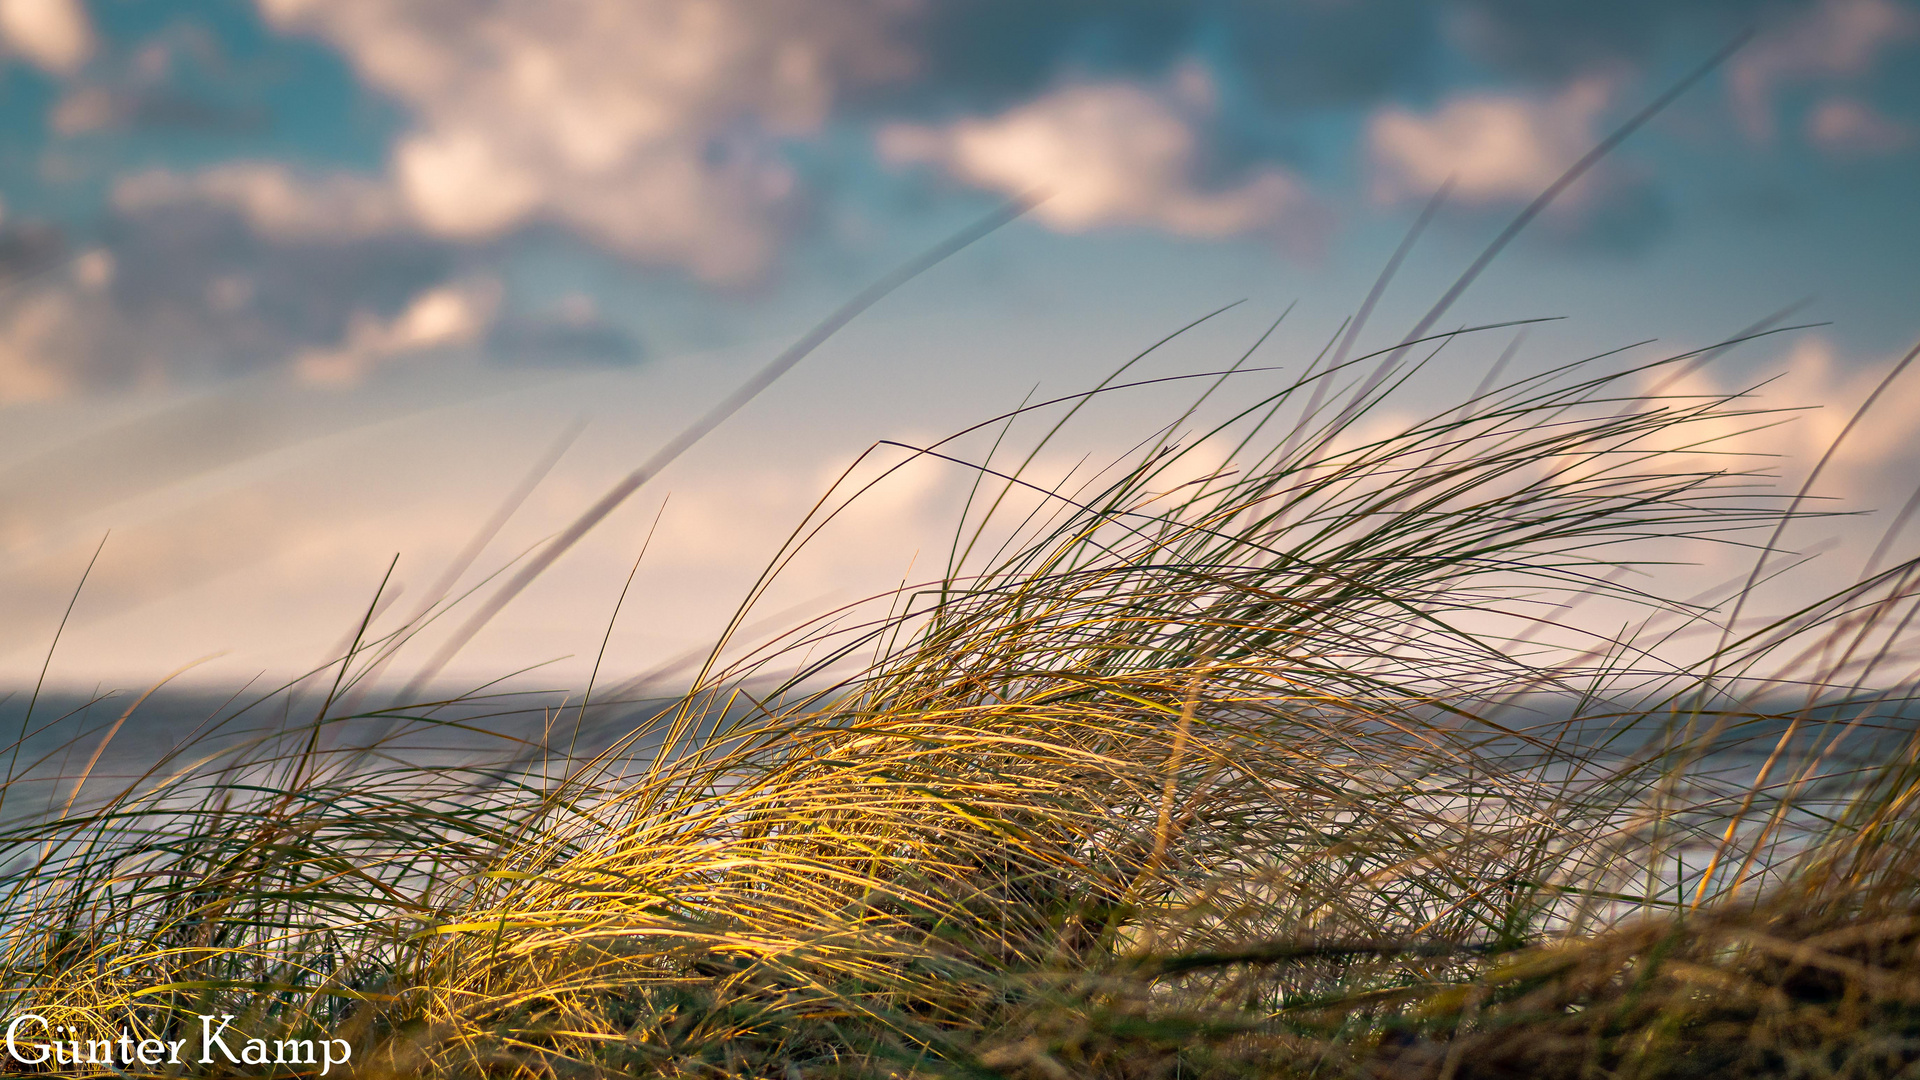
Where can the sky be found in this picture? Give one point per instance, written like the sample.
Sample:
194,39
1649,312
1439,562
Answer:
291,288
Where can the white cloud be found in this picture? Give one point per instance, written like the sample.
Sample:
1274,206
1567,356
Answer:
651,126
1494,147
54,35
1108,154
1846,126
459,184
1836,38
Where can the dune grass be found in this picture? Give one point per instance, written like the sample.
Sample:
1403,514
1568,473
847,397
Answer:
1298,762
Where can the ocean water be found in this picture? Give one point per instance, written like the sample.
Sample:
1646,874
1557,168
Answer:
79,754
74,752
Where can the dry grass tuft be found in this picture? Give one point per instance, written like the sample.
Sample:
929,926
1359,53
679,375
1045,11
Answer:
1298,767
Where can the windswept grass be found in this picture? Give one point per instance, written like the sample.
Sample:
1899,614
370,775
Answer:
1305,764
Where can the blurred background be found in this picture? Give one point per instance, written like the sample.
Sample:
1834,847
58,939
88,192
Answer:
291,287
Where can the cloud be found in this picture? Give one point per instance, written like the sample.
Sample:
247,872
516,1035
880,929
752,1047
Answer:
33,336
27,248
91,109
1848,127
1834,39
54,35
573,333
649,126
56,318
214,295
1111,153
440,317
1501,150
254,266
986,57
1818,390
273,200
178,79
661,130
181,292
1496,148
1558,42
667,133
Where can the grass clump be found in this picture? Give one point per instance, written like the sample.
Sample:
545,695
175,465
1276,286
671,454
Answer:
1289,762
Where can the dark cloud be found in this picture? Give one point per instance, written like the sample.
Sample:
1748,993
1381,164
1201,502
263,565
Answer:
29,249
989,54
1556,39
189,292
1313,53
1271,61
154,108
1625,218
1617,213
578,338
983,55
213,289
